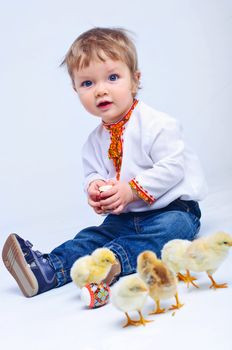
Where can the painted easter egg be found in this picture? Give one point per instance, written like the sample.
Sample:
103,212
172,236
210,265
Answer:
94,295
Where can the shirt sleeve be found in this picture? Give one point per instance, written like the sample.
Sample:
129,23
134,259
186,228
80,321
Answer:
167,155
92,163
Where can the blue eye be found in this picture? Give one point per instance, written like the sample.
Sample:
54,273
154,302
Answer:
113,77
86,83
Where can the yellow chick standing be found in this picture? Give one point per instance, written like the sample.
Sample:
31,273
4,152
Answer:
161,281
130,294
207,253
204,254
92,268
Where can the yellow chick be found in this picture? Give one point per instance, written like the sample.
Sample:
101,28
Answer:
207,253
130,294
92,268
174,256
161,281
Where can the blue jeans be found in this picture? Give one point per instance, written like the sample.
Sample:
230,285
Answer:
127,235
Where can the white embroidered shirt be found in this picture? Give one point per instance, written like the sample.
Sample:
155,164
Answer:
155,160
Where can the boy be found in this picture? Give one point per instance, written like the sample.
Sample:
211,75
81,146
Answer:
156,182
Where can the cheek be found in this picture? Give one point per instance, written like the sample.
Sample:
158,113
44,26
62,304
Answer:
125,88
84,98
133,85
130,85
87,102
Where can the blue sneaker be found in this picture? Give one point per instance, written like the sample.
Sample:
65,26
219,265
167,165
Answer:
31,269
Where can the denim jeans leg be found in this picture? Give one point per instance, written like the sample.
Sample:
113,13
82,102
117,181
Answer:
151,231
127,235
84,243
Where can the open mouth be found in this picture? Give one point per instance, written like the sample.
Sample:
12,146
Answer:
104,104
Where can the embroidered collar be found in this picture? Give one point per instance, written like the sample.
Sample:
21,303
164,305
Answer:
123,120
115,151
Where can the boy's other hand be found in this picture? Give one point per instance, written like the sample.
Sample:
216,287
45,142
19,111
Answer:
116,199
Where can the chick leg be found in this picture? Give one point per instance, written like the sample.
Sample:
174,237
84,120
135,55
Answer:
130,322
157,310
189,279
215,285
178,305
142,320
180,277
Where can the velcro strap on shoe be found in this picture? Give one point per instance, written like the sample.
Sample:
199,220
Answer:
28,244
38,253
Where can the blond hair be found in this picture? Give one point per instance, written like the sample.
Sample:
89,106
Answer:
97,43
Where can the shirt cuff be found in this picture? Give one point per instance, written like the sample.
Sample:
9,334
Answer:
141,192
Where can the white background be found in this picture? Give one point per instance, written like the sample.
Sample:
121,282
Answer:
185,55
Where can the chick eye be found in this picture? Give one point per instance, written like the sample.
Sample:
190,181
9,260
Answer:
113,77
225,243
86,83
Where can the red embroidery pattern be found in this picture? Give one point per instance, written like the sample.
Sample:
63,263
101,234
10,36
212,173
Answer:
141,193
99,294
115,151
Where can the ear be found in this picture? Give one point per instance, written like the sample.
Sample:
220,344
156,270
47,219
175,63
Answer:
137,76
136,81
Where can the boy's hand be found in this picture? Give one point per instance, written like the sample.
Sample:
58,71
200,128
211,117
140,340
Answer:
94,195
117,198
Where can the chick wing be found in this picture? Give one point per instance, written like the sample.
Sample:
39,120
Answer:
80,270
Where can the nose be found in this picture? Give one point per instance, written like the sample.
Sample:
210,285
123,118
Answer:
101,90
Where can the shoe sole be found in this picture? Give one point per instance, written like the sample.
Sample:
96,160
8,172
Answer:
16,264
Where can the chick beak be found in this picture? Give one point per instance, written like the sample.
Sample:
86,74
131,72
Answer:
230,244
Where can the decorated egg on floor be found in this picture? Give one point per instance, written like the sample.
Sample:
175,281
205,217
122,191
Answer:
94,295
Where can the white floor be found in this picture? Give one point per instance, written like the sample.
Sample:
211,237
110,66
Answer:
58,320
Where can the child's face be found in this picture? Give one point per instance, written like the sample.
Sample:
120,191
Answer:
105,89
